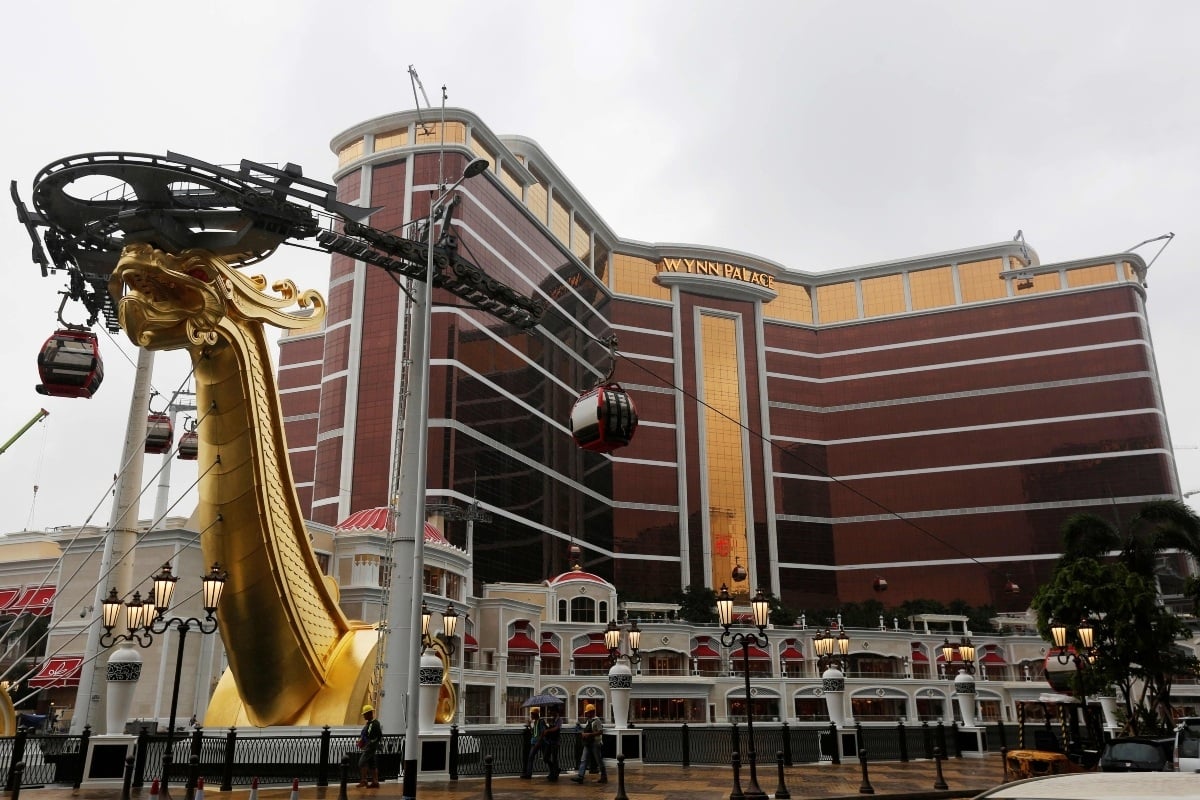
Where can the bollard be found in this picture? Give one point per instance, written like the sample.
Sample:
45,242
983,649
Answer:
164,789
621,778
193,770
295,795
1004,764
487,778
902,739
15,776
345,778
254,789
787,745
686,745
84,738
781,793
736,760
940,784
227,760
865,787
127,783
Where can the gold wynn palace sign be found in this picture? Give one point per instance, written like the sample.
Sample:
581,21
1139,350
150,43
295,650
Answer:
718,269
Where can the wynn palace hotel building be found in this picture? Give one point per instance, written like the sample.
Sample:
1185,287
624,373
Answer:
931,421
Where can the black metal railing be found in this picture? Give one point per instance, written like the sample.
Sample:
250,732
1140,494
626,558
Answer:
235,758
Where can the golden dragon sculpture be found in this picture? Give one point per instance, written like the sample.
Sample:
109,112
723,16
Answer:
294,657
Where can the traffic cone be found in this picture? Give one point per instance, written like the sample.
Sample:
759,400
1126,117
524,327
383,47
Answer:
154,788
254,789
295,789
199,789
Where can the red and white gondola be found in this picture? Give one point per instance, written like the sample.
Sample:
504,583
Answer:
69,364
604,419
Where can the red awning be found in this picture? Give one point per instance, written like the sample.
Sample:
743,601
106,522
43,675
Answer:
756,653
992,658
792,653
7,596
548,648
470,643
37,600
702,650
591,649
58,672
521,643
920,657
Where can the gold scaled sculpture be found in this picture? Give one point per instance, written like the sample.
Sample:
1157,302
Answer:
294,657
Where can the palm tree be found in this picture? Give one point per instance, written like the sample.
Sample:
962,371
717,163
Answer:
1108,574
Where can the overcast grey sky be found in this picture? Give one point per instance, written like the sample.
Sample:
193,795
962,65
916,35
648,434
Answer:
819,135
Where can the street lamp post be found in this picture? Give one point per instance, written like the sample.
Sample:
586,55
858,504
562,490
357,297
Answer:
414,464
620,672
761,611
146,619
964,680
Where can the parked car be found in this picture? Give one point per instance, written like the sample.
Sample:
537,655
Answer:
1099,786
1137,754
1187,745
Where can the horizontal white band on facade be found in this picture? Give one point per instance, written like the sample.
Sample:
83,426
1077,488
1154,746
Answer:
646,423
646,462
335,433
962,337
312,387
347,278
971,362
965,394
972,511
971,428
648,331
300,365
343,323
645,507
641,387
934,562
302,417
327,501
341,374
307,449
642,357
305,484
964,467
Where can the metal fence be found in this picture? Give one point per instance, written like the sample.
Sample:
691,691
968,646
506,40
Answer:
230,759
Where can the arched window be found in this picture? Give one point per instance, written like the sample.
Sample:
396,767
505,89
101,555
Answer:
562,610
603,611
583,609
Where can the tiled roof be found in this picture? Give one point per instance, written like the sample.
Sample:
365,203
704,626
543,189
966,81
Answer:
376,519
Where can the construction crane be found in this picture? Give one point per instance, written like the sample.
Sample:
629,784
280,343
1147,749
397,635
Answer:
38,417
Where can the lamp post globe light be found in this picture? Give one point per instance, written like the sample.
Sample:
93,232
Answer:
831,653
146,619
761,611
410,526
620,672
437,653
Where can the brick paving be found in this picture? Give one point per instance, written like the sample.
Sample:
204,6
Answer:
965,777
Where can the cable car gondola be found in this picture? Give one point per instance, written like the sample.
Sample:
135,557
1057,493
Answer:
70,365
603,419
160,433
189,442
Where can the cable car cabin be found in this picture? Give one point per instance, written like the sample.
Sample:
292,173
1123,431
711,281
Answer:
603,419
160,433
189,446
70,365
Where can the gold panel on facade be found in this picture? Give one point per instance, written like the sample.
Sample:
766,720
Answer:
723,439
537,200
980,280
1092,276
431,133
1046,282
391,140
635,276
931,288
792,303
350,152
560,221
478,148
1130,273
581,239
883,295
511,183
837,302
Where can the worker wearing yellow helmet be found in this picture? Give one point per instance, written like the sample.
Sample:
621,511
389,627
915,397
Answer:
368,744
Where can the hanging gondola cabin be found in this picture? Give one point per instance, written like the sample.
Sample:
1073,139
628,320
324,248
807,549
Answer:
603,419
189,446
160,433
69,364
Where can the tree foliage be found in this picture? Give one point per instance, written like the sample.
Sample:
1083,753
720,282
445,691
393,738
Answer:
698,604
1107,575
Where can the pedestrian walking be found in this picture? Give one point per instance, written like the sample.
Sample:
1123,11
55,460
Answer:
368,745
550,738
592,733
537,726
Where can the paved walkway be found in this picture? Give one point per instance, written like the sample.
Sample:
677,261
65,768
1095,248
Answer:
966,777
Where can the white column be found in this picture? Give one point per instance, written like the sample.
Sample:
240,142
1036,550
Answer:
620,683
